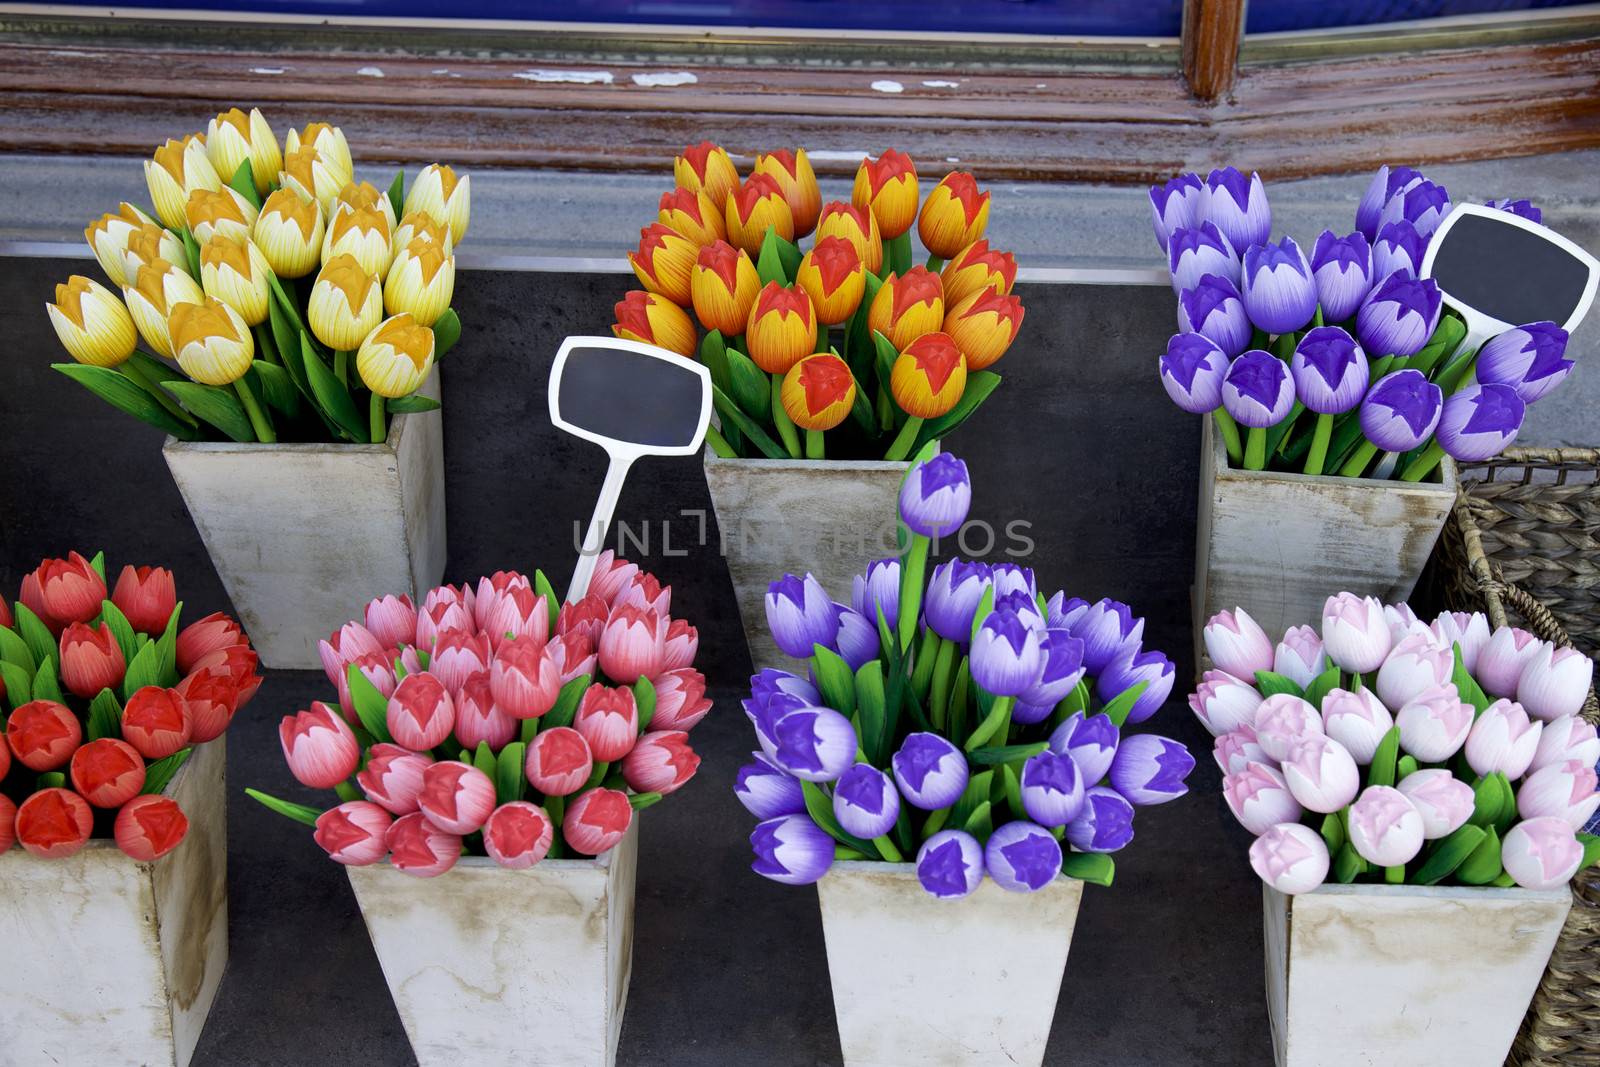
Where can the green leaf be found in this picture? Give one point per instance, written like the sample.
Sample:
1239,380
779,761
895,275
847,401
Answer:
509,779
644,699
47,684
1013,791
1591,850
1122,705
567,703
1447,855
730,410
13,649
446,332
330,393
976,792
243,182
979,385
789,255
19,684
835,681
216,405
372,707
1074,702
167,649
1483,866
105,715
869,704
1006,754
1466,687
640,801
769,266
286,337
411,405
714,354
985,609
121,629
120,392
751,386
397,193
980,823
1095,867
34,632
159,773
1321,686
1405,767
144,670
1381,771
1271,684
820,808
1485,802
552,603
1347,865
484,760
297,812
277,387
1332,831
1508,804
191,249
98,565
885,354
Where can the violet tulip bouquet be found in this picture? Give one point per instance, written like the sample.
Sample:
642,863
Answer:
1335,357
962,721
846,336
106,700
488,721
297,303
1383,748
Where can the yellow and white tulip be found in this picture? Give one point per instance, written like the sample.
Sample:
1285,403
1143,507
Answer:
211,342
108,238
289,232
362,232
238,275
92,323
346,303
177,169
146,244
420,283
222,212
233,137
153,290
418,226
309,174
326,139
439,192
367,195
396,357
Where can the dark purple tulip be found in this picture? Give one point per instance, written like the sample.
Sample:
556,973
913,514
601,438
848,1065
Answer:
1424,205
950,864
1191,372
1006,658
1480,421
1520,208
858,642
954,591
1127,671
1061,611
930,771
865,802
1052,789
1398,316
1063,669
936,495
766,790
1019,602
814,744
1011,578
1237,205
791,849
1330,371
1276,284
1387,182
1022,856
800,615
1401,411
1257,391
1104,825
1213,308
1090,740
771,681
1172,205
1531,359
1150,769
878,589
1106,628
1342,269
1399,248
1194,253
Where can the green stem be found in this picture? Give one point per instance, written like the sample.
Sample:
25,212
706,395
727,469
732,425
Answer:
1395,875
341,366
1424,464
258,418
887,850
904,439
140,377
823,344
897,252
815,449
939,701
995,726
1357,464
1319,444
265,345
1451,379
719,444
530,729
912,567
375,420
348,792
1230,435
780,419
935,263
1255,449
935,823
1283,346
1278,436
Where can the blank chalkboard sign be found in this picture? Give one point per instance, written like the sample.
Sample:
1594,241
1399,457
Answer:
633,400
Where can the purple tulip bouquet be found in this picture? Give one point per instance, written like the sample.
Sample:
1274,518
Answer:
1385,749
966,722
1342,361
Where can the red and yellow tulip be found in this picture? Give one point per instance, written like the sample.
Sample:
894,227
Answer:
858,226
832,276
792,171
984,325
665,261
723,287
888,185
929,376
954,215
754,208
818,392
782,329
978,267
706,168
691,213
655,320
907,307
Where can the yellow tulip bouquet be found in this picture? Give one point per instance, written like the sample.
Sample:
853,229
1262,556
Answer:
268,270
846,336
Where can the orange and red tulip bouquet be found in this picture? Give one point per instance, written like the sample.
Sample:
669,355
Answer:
264,274
847,335
487,721
107,699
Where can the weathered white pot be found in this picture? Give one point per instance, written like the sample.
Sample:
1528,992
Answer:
491,967
1378,974
108,961
944,983
303,535
781,516
1279,544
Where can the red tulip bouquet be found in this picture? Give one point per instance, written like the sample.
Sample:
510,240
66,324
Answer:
487,720
107,699
847,335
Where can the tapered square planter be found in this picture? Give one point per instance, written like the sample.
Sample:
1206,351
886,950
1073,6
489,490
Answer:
779,516
1380,974
302,535
107,961
945,983
493,967
1279,544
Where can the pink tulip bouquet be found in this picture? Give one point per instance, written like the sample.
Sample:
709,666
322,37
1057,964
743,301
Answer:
486,720
107,699
1387,749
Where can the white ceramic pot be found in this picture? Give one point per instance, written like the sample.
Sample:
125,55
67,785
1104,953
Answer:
1362,975
107,961
944,983
498,968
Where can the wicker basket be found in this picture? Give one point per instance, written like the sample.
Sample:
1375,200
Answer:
1523,545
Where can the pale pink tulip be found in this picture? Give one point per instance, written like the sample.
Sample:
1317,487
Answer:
1417,662
1554,682
524,678
1402,622
491,589
1354,632
455,797
1236,644
421,713
419,848
479,720
392,778
517,612
1541,853
587,616
445,616
354,833
1563,790
1224,703
1442,799
660,763
1385,828
1503,739
609,720
1321,774
681,700
319,746
377,668
1357,720
518,835
559,762
1566,738
611,573
683,644
1470,631
1299,656
644,591
1281,720
1238,748
574,656
1259,798
633,644
1290,858
392,620
458,655
596,821
1502,659
347,644
1434,724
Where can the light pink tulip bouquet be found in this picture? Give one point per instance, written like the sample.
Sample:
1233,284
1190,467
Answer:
487,721
1387,749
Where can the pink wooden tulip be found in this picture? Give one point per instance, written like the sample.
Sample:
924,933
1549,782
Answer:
1402,622
1234,751
319,746
517,611
344,646
458,655
609,720
1563,790
377,668
518,835
633,644
644,591
596,821
1554,682
64,591
574,655
683,644
523,677
43,735
1299,656
1224,703
392,620
1321,774
1434,724
660,763
107,772
215,631
1357,720
455,797
1470,631
1541,853
1442,799
1259,798
587,616
147,597
420,714
419,848
443,616
559,761
1237,645
479,719
1290,858
354,834
1503,739
211,697
149,827
1385,828
491,589
1416,662
1566,738
239,662
156,722
1281,720
1502,659
681,700
392,778
611,573
1355,633
53,823
91,660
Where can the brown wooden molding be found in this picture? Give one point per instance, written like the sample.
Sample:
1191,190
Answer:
1024,120
1211,32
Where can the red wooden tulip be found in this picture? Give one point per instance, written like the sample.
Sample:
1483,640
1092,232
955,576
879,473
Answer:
344,646
5,615
215,631
392,778
156,722
644,590
210,697
609,720
149,827
5,751
559,761
43,734
69,590
420,713
91,660
54,823
455,797
587,616
107,773
574,655
680,699
354,833
479,719
523,677
518,835
660,763
239,661
419,848
319,746
457,656
8,823
596,821
147,596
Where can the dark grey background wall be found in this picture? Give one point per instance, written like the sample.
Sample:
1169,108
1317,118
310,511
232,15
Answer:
1080,441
